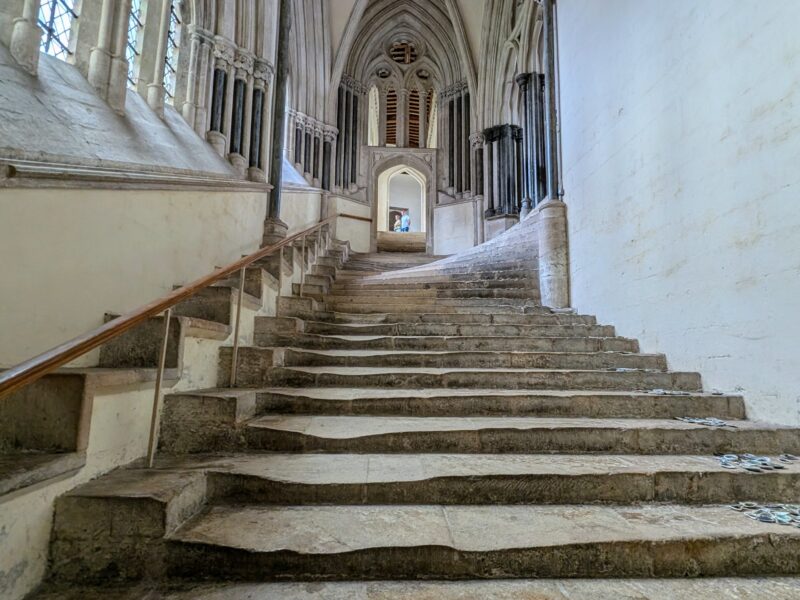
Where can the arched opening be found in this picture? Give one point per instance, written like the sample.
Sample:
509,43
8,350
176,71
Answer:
402,188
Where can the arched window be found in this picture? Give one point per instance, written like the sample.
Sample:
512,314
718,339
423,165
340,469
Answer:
55,18
171,58
373,133
133,51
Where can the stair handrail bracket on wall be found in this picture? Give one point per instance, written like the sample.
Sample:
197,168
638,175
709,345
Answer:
29,371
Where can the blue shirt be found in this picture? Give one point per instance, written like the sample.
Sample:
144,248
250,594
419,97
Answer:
405,221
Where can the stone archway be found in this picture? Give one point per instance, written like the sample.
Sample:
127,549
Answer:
422,161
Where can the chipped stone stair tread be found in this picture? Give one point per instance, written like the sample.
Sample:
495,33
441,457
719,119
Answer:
158,485
443,370
321,530
712,588
353,393
378,352
347,427
22,469
330,469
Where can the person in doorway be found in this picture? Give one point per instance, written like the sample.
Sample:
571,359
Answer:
397,224
405,222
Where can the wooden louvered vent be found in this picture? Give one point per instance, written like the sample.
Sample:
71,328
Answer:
413,119
391,118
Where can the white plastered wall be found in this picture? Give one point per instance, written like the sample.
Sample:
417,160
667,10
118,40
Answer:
454,227
396,189
681,137
72,255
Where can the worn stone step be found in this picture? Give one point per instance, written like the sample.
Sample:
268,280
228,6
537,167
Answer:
512,379
461,542
708,588
431,276
541,317
448,343
449,479
254,358
414,294
215,303
347,286
510,307
448,329
476,402
389,302
529,435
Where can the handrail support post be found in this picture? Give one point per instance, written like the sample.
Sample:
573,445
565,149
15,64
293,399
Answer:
235,352
152,441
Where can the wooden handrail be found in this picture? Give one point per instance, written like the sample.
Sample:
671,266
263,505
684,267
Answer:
33,369
356,218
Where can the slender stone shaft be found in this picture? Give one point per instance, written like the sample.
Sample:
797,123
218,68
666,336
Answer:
281,76
551,142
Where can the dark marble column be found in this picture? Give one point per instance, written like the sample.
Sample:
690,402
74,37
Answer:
274,226
451,143
218,99
459,143
298,145
467,145
307,152
489,136
540,167
237,122
354,142
326,165
528,166
348,129
519,174
315,159
340,140
256,132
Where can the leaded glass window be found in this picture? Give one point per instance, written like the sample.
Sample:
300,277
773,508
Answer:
134,34
171,59
55,18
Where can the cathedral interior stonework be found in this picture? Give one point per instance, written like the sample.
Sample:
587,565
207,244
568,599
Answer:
399,299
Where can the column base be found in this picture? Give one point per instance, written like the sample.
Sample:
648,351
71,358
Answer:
553,253
498,224
239,163
99,70
526,208
256,174
488,213
118,85
25,40
155,98
217,141
274,231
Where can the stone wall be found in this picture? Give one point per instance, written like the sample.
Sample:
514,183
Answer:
73,255
680,143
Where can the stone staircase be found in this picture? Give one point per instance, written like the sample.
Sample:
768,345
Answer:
436,423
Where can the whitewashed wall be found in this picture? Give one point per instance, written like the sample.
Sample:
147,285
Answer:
406,192
454,228
681,141
72,255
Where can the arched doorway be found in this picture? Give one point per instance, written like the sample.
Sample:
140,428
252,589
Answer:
392,170
402,201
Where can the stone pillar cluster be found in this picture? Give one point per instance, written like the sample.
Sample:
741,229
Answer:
503,170
351,124
229,101
309,146
454,119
